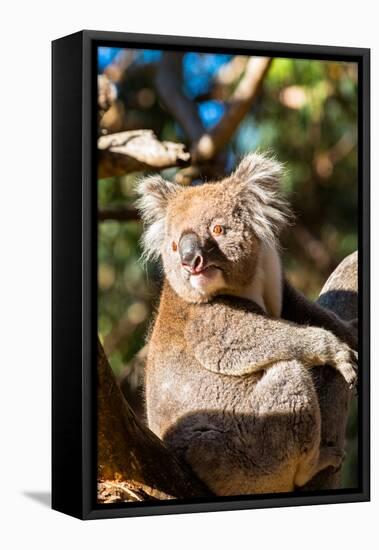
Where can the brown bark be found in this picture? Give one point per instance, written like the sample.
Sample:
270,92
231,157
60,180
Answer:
137,150
133,464
339,294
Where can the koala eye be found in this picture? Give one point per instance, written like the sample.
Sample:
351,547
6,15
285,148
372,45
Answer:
218,230
174,246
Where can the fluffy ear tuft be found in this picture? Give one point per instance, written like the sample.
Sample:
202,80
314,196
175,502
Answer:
258,178
260,169
155,193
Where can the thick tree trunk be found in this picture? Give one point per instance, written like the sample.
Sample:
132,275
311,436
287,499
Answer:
339,294
133,464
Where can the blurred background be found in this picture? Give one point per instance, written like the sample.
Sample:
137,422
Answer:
218,107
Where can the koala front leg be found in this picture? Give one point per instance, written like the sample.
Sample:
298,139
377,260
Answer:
298,309
236,341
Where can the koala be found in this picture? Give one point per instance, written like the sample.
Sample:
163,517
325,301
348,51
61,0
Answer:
228,381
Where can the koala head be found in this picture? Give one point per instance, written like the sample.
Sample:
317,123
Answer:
209,236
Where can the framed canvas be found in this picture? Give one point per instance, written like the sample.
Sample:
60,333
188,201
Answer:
210,274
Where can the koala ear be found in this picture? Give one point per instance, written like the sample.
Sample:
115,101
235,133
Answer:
260,170
155,193
257,183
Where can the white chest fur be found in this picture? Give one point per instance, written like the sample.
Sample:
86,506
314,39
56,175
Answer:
266,288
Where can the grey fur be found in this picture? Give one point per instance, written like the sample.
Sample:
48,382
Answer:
228,387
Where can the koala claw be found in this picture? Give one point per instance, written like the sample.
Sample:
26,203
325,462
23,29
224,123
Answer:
348,367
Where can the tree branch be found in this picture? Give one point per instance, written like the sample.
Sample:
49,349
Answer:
205,145
169,85
134,464
137,150
238,105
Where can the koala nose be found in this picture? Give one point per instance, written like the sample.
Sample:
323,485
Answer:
190,252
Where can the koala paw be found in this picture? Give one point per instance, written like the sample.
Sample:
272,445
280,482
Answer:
346,362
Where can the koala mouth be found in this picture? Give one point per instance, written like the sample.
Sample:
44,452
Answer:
206,270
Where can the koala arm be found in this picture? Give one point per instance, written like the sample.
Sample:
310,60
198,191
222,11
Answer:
228,337
298,309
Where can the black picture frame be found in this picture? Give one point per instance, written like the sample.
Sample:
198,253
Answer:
74,295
